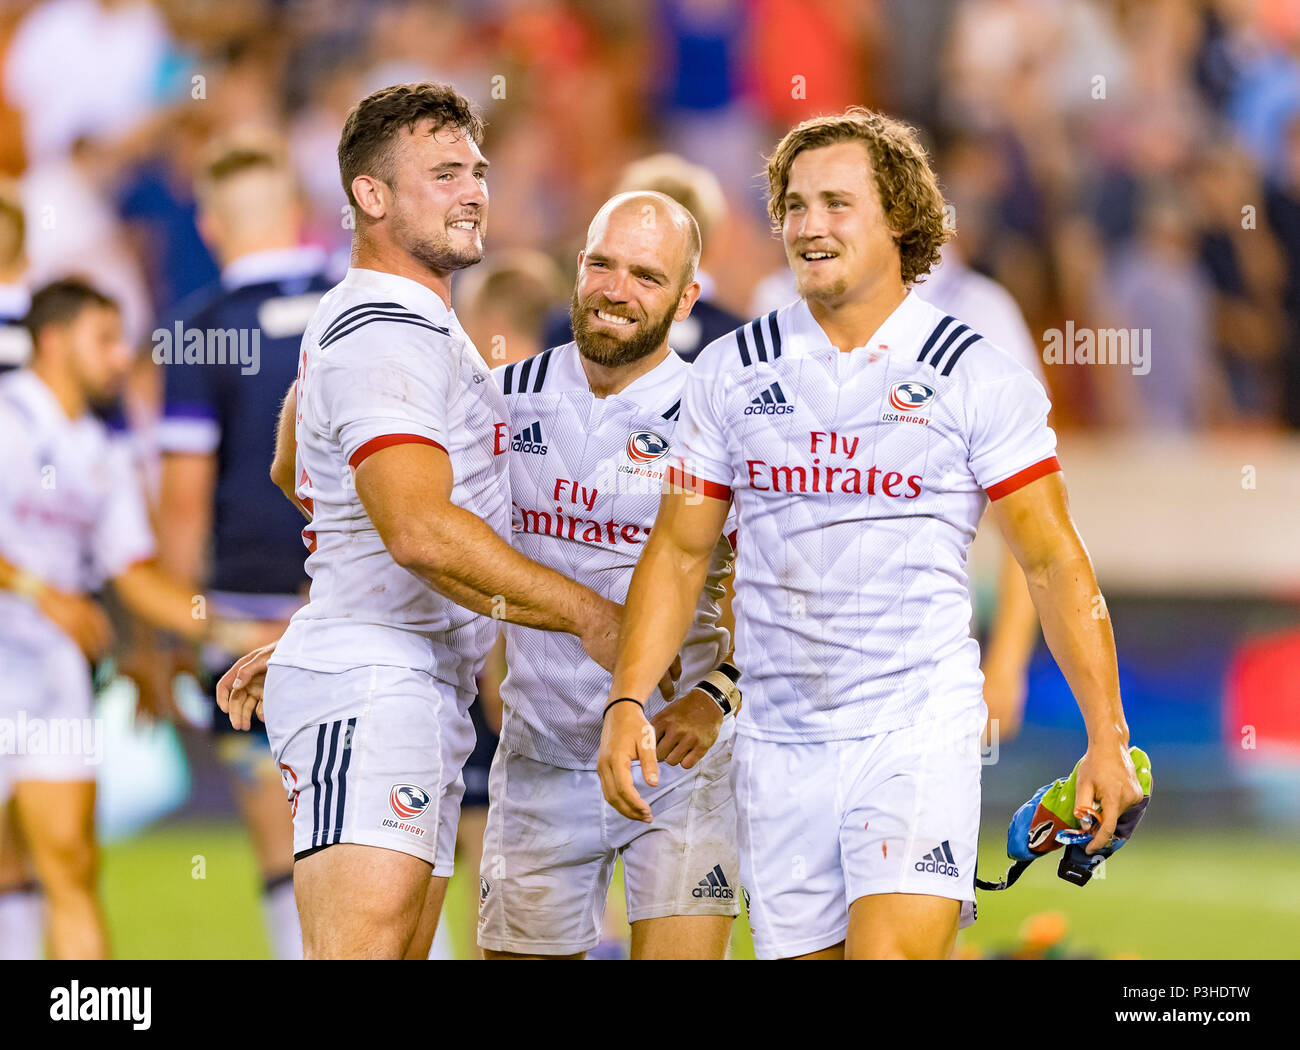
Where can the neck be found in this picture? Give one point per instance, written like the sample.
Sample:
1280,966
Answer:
253,245
370,253
850,323
605,380
65,391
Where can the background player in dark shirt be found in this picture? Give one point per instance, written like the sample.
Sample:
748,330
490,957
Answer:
221,520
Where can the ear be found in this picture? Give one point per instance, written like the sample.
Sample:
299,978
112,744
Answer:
581,256
690,295
209,227
373,196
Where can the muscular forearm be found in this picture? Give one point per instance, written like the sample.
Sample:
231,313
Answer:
15,579
153,598
1076,627
661,602
463,559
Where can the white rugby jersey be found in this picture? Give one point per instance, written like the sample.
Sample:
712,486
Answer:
71,509
586,474
385,362
858,479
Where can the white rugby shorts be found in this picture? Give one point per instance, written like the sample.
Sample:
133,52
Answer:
823,824
552,841
371,756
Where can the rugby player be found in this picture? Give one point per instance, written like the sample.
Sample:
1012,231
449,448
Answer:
861,433
592,426
214,484
401,439
72,518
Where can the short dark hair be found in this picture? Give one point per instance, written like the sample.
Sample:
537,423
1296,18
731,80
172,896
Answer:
366,145
61,302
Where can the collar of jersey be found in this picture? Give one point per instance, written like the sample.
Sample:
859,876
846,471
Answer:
277,264
15,301
570,376
411,294
902,330
30,389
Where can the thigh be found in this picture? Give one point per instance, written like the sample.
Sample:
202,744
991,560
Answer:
430,913
57,820
359,902
788,820
546,867
364,757
684,866
902,926
910,835
682,937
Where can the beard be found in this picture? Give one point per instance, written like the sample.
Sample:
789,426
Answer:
436,251
608,350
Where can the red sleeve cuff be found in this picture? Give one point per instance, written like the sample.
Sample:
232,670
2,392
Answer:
1022,478
387,441
679,478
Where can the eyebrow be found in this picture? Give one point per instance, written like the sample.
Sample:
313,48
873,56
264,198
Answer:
456,165
790,194
636,268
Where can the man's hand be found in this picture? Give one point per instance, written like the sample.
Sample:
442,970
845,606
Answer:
152,667
625,738
686,729
600,640
599,635
239,692
1108,784
80,618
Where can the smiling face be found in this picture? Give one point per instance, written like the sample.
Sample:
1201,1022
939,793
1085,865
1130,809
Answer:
836,236
438,199
635,278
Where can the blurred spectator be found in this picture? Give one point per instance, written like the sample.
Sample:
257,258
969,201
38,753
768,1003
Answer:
84,68
15,340
1158,291
1282,205
503,304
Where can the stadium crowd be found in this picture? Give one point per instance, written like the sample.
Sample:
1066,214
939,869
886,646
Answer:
1116,163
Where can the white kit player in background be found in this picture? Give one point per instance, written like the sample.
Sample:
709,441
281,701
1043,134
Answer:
72,520
860,434
592,429
401,442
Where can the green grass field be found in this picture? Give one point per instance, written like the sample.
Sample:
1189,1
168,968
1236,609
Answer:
190,892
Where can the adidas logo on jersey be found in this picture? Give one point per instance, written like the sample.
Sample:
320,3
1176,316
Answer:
714,884
771,402
939,861
529,440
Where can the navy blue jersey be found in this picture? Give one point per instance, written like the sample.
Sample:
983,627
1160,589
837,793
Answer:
229,355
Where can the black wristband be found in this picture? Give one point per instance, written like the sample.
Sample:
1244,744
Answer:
621,700
730,670
715,694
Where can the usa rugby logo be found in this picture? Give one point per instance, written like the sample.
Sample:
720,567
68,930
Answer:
408,801
908,397
645,447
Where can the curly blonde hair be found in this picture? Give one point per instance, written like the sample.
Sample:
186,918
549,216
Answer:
909,191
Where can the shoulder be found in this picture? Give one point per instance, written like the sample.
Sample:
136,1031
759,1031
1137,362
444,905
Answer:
954,350
762,339
194,309
345,327
529,376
